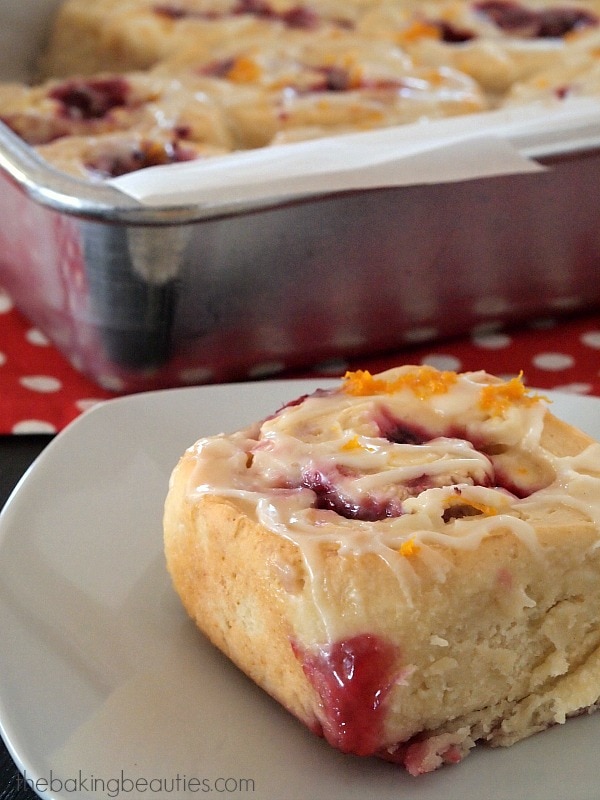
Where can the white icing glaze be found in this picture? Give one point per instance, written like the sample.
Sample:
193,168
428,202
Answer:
439,492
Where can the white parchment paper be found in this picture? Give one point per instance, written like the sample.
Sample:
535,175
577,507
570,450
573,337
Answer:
459,148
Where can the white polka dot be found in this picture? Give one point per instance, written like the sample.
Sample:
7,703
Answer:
442,362
542,324
6,304
423,334
591,339
575,388
272,339
553,362
345,339
194,375
490,306
334,367
567,302
2,358
33,426
112,383
36,337
492,341
486,328
77,363
44,384
268,368
86,403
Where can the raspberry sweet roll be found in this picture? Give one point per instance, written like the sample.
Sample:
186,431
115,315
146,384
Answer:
327,84
409,562
108,102
497,42
106,125
125,35
580,77
109,155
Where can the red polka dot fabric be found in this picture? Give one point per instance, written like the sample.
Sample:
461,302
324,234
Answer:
40,392
560,354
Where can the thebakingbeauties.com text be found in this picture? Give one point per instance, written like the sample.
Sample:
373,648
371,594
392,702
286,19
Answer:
122,785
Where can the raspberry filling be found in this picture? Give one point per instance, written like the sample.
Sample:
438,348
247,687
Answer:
338,486
334,485
330,496
338,79
451,34
330,78
400,432
335,79
353,678
296,17
516,20
421,754
548,23
90,99
111,164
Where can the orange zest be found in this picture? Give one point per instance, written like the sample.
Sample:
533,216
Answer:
419,30
409,548
497,398
352,444
244,70
423,381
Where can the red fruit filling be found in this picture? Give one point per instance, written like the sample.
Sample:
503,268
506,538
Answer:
325,79
330,496
338,79
218,69
299,400
112,164
335,79
333,485
545,23
399,431
90,99
296,17
353,678
421,755
451,34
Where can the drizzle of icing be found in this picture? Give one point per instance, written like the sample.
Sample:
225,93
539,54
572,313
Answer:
324,472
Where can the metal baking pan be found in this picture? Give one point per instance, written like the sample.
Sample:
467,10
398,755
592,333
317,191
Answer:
141,297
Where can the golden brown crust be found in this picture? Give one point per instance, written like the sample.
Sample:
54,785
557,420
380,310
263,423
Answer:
228,572
562,439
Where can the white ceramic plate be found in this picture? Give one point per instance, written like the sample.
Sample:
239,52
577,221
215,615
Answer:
106,688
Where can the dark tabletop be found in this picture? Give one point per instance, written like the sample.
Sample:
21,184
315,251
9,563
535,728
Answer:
16,454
